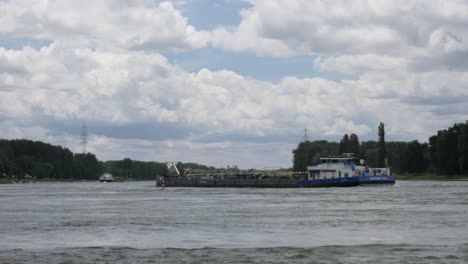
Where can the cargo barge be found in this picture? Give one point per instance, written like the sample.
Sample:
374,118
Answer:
340,171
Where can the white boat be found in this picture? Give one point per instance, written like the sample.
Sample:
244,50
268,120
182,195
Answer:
106,177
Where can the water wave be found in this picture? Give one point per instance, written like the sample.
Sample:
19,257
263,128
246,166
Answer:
372,253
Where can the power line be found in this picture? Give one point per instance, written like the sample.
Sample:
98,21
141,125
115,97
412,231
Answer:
84,137
306,133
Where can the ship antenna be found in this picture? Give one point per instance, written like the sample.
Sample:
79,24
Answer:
84,137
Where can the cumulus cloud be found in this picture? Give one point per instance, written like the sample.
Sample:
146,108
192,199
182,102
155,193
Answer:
358,64
139,25
104,64
395,33
136,87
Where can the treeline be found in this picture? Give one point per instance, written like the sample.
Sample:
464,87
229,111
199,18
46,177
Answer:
195,168
446,153
449,150
23,158
137,170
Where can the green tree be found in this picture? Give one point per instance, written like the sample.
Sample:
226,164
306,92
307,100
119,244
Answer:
416,160
344,145
397,156
369,152
448,150
42,170
127,165
309,153
354,146
382,151
462,149
86,166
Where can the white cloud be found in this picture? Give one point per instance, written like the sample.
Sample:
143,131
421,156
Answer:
393,32
134,87
104,65
358,64
139,87
139,25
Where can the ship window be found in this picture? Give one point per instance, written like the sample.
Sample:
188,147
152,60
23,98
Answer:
346,175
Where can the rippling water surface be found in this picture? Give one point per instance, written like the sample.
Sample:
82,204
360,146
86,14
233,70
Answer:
134,222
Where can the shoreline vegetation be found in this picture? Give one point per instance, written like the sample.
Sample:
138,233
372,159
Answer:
443,157
15,181
431,177
11,180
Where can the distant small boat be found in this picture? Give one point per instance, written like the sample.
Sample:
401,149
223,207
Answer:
106,177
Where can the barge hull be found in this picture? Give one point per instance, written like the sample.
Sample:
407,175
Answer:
262,183
376,180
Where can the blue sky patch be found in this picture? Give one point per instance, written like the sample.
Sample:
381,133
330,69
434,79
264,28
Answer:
209,14
9,41
251,66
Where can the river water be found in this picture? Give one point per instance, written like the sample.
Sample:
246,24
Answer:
135,222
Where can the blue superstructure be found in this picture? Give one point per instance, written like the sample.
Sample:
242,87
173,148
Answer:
341,171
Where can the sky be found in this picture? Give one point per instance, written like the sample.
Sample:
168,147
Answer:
225,82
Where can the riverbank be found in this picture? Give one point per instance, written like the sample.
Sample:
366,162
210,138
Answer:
14,181
5,181
431,177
